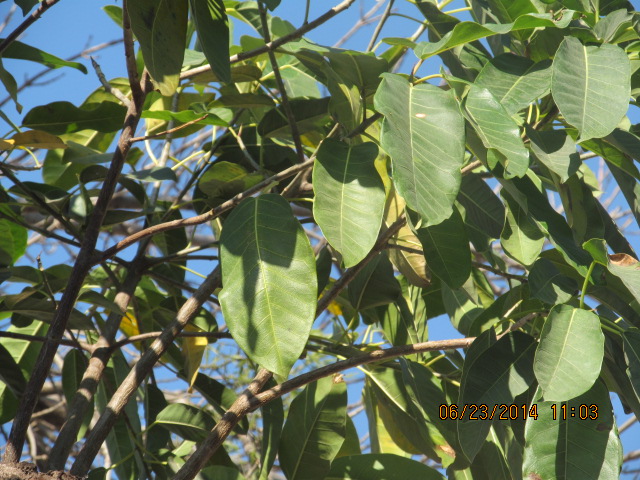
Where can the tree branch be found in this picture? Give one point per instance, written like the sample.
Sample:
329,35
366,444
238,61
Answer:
278,42
293,125
80,270
30,20
140,371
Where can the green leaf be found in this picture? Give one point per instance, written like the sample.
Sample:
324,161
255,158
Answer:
73,368
154,402
26,5
188,422
11,85
462,305
380,466
549,285
349,199
315,430
515,81
31,306
497,129
13,240
223,180
22,51
631,339
598,250
374,285
11,374
153,174
521,238
584,445
351,445
268,272
63,117
161,29
466,32
446,248
423,132
496,376
591,86
569,357
626,269
310,114
213,33
272,420
555,150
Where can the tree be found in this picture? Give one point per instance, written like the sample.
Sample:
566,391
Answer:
253,234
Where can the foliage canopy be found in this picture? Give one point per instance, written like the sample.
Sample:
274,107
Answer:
250,222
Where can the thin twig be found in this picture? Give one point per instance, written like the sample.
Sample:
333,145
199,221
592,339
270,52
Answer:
278,42
383,20
107,86
171,130
30,20
293,124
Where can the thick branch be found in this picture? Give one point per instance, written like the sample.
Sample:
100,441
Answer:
278,42
76,279
250,402
140,371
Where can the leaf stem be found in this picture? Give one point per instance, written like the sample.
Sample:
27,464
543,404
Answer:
585,285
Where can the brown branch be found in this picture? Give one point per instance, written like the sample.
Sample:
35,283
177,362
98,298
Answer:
30,20
107,86
80,269
248,403
170,131
293,124
205,217
277,42
242,406
140,371
472,166
130,53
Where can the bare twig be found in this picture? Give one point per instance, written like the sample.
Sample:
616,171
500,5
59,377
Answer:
364,20
30,20
171,130
107,86
383,20
293,124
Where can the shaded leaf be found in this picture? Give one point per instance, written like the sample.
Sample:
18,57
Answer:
161,29
521,238
380,466
63,117
549,285
213,33
315,430
22,51
555,150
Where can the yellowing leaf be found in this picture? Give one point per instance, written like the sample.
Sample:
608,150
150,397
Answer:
192,351
129,325
334,308
32,139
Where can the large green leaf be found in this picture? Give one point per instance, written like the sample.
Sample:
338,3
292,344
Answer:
374,285
213,32
549,285
380,466
272,420
310,114
498,374
349,199
63,117
569,357
446,248
591,86
423,132
269,281
161,28
515,81
10,373
583,445
73,368
497,130
314,431
466,32
521,238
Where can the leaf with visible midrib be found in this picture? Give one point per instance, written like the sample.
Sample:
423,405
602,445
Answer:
269,281
161,28
349,197
213,32
423,132
591,86
314,431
